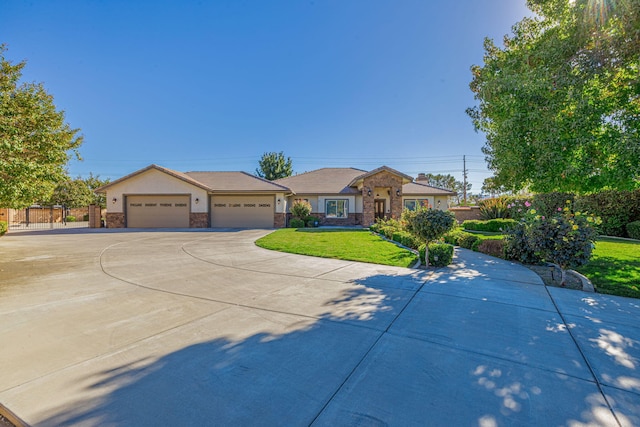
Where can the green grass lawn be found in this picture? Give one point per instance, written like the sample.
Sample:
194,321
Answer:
351,245
615,267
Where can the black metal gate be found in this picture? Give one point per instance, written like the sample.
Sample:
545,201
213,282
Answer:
39,217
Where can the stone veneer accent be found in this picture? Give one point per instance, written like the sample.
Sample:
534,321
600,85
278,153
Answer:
115,219
279,220
198,220
381,179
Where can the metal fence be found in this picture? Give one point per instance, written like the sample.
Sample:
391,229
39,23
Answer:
38,217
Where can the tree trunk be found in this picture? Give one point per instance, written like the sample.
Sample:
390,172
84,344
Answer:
426,254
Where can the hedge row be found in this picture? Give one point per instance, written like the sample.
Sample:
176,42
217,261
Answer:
615,208
440,254
490,245
3,227
492,225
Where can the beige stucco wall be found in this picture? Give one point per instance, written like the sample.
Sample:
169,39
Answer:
155,182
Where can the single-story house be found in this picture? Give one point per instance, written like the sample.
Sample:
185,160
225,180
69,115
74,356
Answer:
157,197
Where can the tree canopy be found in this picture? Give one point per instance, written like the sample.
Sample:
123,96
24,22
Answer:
35,142
79,192
560,102
274,166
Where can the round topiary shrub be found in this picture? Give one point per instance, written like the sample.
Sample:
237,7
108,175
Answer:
296,223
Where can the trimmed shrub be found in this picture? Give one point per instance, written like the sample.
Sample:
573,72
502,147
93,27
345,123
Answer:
615,208
491,247
633,230
3,227
312,221
440,254
405,239
85,217
71,218
296,223
453,236
467,240
492,225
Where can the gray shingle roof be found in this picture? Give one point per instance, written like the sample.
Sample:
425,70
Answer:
235,182
415,188
323,181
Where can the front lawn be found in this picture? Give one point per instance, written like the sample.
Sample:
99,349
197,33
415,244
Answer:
614,267
351,245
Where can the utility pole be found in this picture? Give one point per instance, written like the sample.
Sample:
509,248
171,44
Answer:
464,176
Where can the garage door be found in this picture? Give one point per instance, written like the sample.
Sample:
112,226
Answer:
154,211
242,211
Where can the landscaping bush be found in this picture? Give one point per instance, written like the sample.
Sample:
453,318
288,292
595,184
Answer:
312,221
442,251
454,236
491,247
3,227
492,225
633,230
71,218
467,240
494,208
405,239
300,210
85,217
387,227
547,204
296,223
428,224
615,208
516,245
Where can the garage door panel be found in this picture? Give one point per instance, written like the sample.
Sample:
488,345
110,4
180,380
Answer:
242,211
156,211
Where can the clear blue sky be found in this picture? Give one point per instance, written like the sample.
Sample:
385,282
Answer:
212,85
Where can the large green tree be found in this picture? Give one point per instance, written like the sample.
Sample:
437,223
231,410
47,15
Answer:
79,192
560,102
35,142
274,166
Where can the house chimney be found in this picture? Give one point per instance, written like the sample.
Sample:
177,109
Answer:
421,177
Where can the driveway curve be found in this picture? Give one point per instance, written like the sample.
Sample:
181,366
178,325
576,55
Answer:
204,328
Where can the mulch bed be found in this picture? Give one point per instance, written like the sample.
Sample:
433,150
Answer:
551,277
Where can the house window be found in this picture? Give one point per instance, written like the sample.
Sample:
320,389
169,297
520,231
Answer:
412,204
337,209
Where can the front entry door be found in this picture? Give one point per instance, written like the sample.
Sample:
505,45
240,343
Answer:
380,206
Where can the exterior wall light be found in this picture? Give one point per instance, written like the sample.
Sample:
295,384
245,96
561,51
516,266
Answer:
398,192
114,200
279,201
369,192
197,200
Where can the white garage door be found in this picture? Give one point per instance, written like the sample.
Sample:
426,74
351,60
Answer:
242,211
156,211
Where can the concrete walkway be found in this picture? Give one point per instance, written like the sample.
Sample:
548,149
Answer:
192,328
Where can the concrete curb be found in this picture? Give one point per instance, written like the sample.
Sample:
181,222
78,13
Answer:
11,417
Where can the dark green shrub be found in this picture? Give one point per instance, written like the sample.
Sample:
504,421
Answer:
467,240
633,230
71,218
453,236
440,254
491,247
517,246
492,225
296,223
428,224
405,239
312,221
3,227
85,217
494,208
615,208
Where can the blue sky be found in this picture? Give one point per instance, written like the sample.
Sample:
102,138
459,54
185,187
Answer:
212,85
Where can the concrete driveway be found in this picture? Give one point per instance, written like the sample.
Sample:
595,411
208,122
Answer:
130,328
